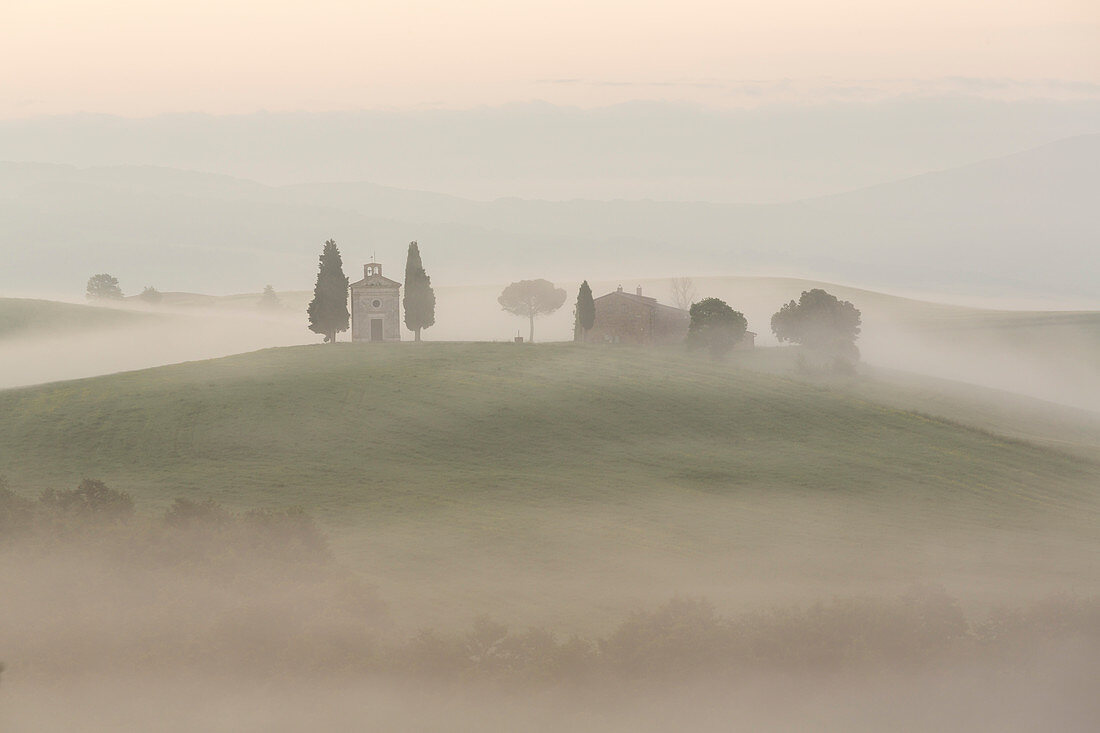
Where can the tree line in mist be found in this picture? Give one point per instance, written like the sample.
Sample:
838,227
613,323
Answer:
204,588
819,321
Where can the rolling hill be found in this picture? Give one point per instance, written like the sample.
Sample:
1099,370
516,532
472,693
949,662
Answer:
43,340
766,153
555,483
27,316
1005,226
1050,355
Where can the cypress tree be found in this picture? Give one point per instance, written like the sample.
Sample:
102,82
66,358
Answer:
419,296
328,311
585,313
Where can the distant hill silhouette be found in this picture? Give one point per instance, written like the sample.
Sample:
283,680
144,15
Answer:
1024,223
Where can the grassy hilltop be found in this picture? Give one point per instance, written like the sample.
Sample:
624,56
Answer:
543,482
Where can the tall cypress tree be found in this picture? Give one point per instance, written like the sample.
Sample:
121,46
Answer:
419,296
585,313
328,311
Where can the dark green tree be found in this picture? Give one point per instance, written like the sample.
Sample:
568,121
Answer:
328,311
530,298
584,314
715,326
826,326
419,297
103,287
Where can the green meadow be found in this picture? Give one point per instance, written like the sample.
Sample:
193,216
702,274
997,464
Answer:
564,485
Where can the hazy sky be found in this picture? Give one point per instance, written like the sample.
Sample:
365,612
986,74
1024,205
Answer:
140,57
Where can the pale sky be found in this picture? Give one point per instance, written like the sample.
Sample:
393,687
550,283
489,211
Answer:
144,57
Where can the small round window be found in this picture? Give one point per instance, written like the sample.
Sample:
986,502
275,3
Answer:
376,303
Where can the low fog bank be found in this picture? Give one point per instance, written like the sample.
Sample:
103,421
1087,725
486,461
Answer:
206,619
1050,355
167,337
1050,695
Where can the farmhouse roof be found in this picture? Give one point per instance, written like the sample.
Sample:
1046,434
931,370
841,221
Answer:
644,300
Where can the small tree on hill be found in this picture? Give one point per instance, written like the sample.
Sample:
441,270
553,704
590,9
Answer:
419,296
530,298
270,299
328,311
715,326
103,287
828,327
151,295
585,313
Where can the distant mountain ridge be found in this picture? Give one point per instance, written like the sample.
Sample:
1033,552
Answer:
635,150
1022,223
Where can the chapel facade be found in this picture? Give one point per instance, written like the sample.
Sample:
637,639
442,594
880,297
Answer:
375,306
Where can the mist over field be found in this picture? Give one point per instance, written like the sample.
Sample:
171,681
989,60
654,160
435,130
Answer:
549,367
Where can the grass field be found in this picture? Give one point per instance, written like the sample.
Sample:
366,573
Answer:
562,485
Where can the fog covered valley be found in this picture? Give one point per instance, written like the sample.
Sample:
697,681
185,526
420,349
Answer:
582,367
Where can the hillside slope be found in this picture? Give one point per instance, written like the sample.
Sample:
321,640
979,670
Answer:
27,316
43,340
549,481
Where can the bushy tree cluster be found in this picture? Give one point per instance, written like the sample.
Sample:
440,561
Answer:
288,535
715,326
151,295
103,287
688,638
826,326
92,499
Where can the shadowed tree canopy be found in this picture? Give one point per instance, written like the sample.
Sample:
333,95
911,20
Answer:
328,311
419,296
103,287
531,298
715,326
821,322
585,313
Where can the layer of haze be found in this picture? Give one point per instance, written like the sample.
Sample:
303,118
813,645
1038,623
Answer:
137,58
942,148
1049,355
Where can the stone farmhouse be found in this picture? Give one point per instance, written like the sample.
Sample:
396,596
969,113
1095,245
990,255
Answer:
639,320
636,319
375,306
